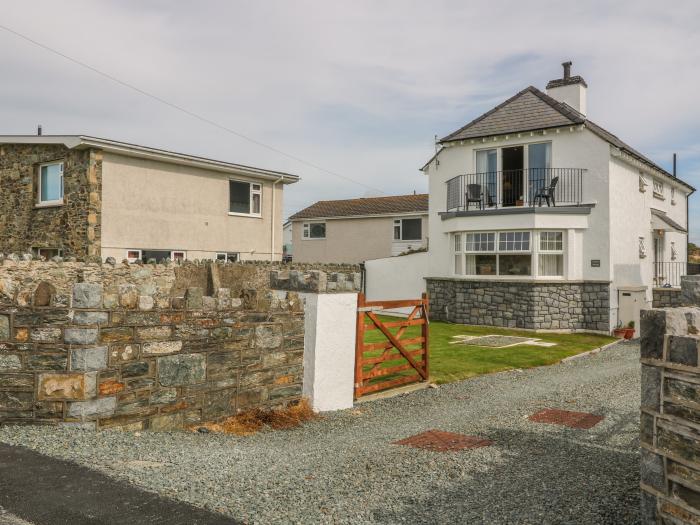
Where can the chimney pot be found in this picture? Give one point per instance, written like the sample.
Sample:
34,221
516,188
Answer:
38,130
567,69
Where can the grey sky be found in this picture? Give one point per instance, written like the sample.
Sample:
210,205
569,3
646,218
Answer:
359,87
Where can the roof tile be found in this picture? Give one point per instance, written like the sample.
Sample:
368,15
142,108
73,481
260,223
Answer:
366,206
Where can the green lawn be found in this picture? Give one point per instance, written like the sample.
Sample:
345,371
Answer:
452,362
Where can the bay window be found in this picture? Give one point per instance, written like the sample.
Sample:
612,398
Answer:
509,253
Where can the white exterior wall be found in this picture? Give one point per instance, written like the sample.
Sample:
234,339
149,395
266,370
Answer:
587,234
396,278
630,211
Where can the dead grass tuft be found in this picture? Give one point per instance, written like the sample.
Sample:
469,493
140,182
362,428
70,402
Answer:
252,421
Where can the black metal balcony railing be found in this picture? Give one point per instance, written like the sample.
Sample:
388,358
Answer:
668,273
526,187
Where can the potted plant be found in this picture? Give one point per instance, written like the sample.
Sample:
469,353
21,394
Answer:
619,331
629,330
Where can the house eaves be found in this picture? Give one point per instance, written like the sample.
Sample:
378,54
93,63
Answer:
372,216
134,150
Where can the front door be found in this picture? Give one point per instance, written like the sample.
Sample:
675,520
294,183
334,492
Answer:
512,185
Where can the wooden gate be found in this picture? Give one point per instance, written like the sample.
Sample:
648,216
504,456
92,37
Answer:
385,358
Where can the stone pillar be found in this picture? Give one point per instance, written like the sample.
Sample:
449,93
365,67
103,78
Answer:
329,349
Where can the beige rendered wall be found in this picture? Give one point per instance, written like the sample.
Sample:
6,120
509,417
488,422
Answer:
157,205
350,240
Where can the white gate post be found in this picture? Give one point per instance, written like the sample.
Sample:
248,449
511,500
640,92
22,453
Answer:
329,349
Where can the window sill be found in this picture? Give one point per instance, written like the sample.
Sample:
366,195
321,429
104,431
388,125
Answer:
250,215
49,204
313,238
407,240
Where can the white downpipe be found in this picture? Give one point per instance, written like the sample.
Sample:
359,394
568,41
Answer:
272,220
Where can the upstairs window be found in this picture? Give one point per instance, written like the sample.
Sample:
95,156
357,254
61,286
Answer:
314,230
50,183
245,198
408,230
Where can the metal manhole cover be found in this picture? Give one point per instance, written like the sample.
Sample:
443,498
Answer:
566,418
440,441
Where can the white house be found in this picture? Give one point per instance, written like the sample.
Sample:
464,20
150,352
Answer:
540,218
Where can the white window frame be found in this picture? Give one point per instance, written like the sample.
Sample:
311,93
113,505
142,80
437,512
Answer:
55,202
173,252
132,259
399,223
227,256
255,188
460,249
37,251
306,231
561,251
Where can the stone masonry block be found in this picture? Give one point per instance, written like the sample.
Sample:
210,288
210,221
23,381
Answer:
651,387
268,336
80,336
690,289
652,330
683,349
98,318
93,408
652,470
161,347
88,359
87,295
193,297
182,369
4,327
72,385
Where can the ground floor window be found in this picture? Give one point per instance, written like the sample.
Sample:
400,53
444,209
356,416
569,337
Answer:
408,229
228,256
47,253
509,253
158,256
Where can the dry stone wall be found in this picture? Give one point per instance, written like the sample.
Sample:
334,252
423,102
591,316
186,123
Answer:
140,347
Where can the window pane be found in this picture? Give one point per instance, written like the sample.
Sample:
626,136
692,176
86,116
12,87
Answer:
220,256
551,241
51,183
515,265
397,230
317,230
481,264
256,203
480,242
458,264
239,197
551,264
458,242
411,230
158,255
486,161
514,241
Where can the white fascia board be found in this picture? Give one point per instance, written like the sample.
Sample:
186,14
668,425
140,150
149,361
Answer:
134,150
649,170
409,214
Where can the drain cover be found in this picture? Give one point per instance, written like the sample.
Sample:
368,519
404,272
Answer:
439,441
567,418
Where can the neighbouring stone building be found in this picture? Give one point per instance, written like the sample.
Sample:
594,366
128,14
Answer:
151,346
670,411
85,197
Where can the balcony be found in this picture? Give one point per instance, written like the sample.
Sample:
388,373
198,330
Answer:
534,187
667,274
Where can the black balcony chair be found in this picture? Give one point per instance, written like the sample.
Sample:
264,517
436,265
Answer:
475,195
547,194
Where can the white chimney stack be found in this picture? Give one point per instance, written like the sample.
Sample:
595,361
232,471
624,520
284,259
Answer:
568,89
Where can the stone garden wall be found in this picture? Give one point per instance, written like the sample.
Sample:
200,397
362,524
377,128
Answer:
666,298
146,346
670,412
541,305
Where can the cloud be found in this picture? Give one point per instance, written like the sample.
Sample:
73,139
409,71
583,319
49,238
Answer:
358,87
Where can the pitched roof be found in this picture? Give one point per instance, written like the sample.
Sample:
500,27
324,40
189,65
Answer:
531,110
367,206
134,150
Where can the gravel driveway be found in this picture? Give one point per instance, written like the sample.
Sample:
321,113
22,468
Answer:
345,469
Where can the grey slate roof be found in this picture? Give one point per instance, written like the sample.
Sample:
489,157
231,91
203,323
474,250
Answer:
531,110
367,206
